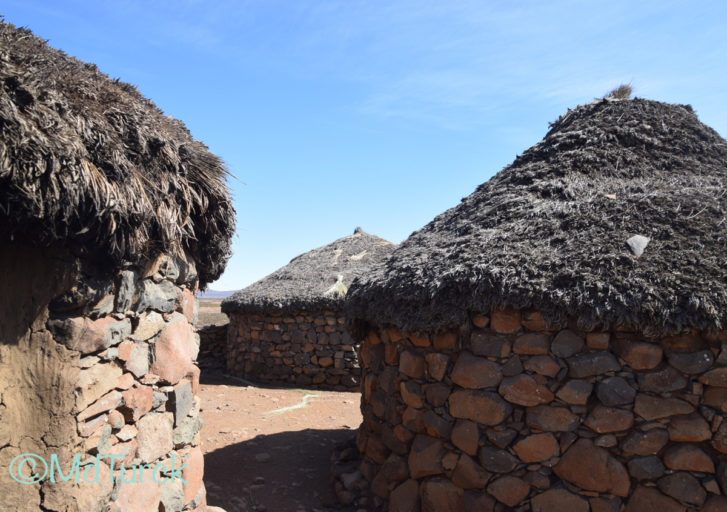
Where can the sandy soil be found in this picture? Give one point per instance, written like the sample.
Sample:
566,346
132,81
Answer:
268,449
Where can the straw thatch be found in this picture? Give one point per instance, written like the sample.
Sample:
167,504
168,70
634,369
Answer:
550,231
317,279
88,161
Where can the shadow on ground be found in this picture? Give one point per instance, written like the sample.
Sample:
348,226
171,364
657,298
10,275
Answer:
284,472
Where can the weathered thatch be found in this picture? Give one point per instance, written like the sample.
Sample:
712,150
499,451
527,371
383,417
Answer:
317,279
550,231
89,161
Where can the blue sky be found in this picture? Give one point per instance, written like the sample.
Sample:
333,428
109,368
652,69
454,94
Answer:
380,114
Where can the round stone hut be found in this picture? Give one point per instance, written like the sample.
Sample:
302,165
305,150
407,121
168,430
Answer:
556,341
111,218
288,328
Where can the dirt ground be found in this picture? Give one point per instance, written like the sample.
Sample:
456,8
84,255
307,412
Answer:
269,449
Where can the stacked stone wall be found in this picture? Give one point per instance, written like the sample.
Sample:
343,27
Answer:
307,348
213,344
111,360
512,414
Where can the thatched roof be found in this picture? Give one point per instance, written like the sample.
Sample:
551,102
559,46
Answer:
317,279
550,231
88,161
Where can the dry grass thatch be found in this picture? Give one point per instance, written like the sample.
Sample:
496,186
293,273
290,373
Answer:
317,279
550,231
89,161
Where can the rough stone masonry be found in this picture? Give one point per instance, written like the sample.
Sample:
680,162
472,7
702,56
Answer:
127,384
512,414
305,348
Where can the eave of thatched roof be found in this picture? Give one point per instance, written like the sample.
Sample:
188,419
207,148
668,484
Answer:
550,231
88,161
315,280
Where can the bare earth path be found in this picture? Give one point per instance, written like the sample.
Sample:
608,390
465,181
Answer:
268,449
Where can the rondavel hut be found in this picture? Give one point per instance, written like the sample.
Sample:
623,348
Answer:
288,327
111,218
556,341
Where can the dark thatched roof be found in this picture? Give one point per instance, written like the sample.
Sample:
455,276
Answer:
88,161
550,231
315,280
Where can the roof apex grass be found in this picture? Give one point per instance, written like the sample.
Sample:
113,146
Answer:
315,280
555,231
87,161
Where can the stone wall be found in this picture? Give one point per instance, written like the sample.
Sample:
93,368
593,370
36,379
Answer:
512,414
306,349
105,368
213,346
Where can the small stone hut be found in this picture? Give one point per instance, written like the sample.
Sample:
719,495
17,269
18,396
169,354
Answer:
556,341
288,328
111,218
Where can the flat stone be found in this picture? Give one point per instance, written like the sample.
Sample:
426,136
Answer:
95,382
531,344
533,321
150,324
684,488
687,342
509,490
524,390
592,364
181,400
475,372
437,394
90,427
688,457
465,436
551,419
480,321
138,360
598,340
506,321
716,377
161,297
592,468
662,381
411,394
566,344
482,407
192,474
436,365
405,497
425,457
537,448
646,468
719,440
125,291
116,420
468,474
692,363
613,391
435,425
440,495
445,341
648,499
185,432
715,398
501,437
512,367
412,364
575,392
478,501
654,408
127,433
639,355
109,401
609,419
137,402
188,306
155,436
87,336
689,429
605,504
174,352
558,500
542,365
483,343
497,461
125,381
645,443
144,495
